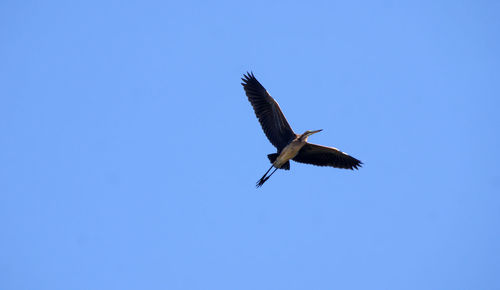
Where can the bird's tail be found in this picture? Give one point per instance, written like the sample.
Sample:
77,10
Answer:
272,157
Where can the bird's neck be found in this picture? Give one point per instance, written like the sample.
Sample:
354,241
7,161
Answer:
302,138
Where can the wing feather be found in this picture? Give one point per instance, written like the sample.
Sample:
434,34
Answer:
267,110
326,156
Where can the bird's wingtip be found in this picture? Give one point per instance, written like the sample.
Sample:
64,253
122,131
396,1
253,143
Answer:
249,75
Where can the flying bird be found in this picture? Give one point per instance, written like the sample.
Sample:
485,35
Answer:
290,146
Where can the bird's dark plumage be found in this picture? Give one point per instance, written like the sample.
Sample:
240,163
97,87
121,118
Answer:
326,156
267,110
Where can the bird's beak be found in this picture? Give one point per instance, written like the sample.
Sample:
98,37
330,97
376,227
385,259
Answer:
317,131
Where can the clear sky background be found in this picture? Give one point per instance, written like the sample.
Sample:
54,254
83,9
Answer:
129,152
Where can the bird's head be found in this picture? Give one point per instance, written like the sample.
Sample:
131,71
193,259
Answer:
308,133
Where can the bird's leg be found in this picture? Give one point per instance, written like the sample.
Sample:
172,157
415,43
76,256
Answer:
264,178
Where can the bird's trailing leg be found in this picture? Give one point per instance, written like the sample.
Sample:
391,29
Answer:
265,178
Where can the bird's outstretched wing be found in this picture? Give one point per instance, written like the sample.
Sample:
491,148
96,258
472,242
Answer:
267,110
326,156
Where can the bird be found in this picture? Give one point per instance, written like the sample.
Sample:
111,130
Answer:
290,146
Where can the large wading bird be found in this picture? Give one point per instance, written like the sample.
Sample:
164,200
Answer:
280,134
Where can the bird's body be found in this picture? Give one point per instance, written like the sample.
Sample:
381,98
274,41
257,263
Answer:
289,152
290,146
292,149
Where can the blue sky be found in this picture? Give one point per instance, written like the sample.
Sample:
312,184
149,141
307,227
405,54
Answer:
129,152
